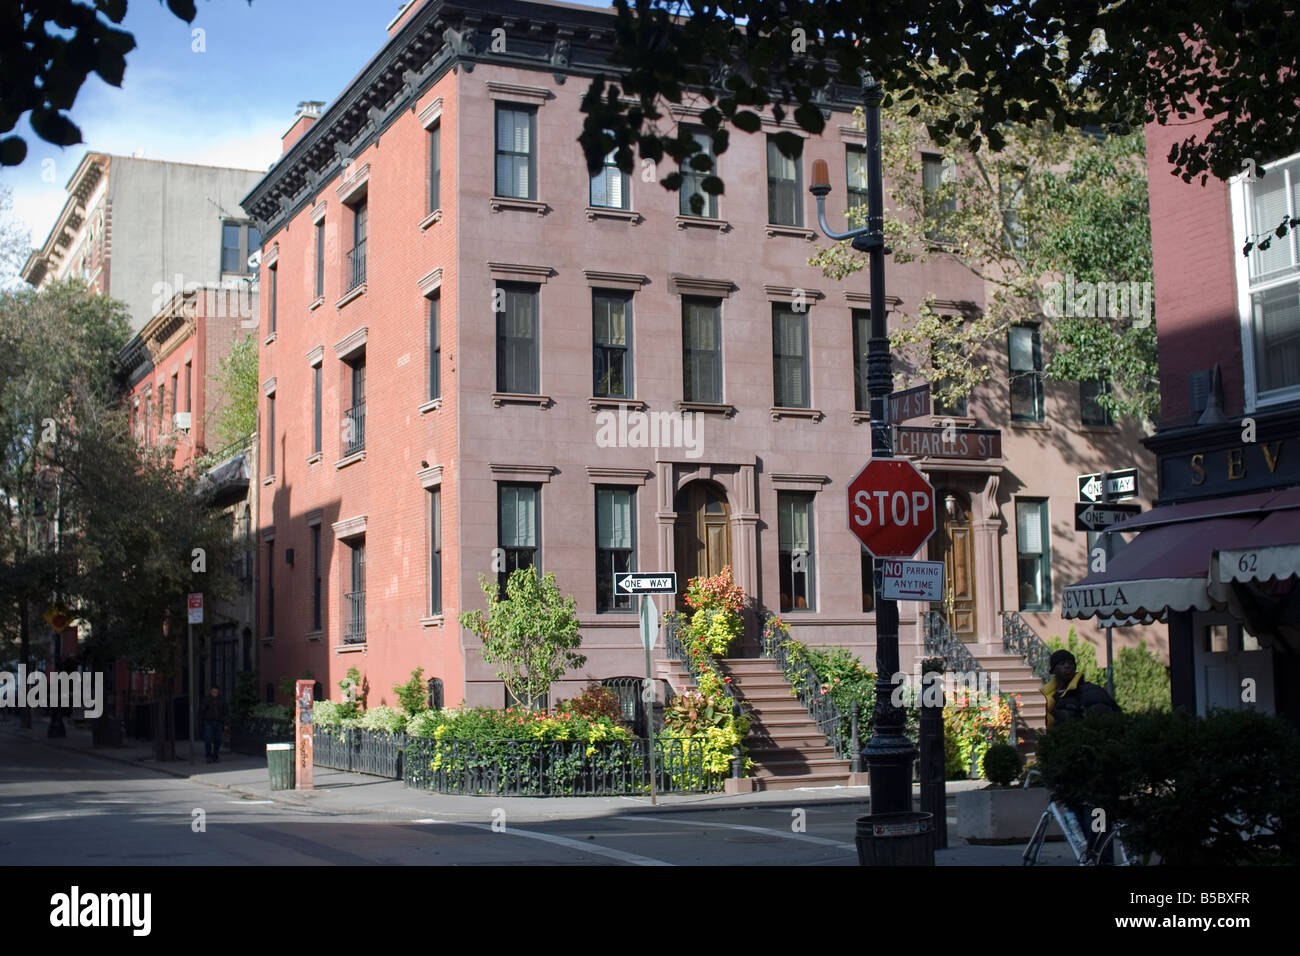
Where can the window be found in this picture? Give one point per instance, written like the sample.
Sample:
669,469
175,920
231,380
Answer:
320,259
162,410
702,350
356,259
784,192
861,344
789,358
518,528
1274,282
435,552
517,346
270,434
354,419
317,388
315,578
1026,355
609,187
435,348
175,389
435,167
1033,553
855,161
868,583
516,172
935,175
270,589
275,289
693,180
189,386
354,595
611,336
1091,411
230,248
148,418
254,244
794,531
615,544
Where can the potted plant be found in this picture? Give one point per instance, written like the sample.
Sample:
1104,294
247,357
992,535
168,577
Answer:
1004,811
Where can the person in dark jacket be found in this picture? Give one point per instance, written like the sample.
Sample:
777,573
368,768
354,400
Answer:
212,711
1070,697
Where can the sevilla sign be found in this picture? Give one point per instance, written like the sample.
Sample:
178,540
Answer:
891,508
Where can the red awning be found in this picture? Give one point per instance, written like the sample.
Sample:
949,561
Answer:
1177,561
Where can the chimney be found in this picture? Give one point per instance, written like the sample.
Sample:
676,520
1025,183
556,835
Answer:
308,113
403,16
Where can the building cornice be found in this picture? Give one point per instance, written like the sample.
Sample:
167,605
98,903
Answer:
440,37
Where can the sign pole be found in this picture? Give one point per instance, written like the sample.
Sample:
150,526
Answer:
647,695
1109,552
190,628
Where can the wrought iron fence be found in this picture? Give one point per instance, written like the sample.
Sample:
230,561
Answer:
559,768
375,752
631,701
807,684
1022,640
354,429
356,266
354,617
252,734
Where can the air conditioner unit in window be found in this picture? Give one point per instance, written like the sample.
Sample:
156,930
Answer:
181,420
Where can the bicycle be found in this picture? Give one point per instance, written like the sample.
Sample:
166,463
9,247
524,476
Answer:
1074,836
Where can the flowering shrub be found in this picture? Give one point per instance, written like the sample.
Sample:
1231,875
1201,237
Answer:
594,702
383,718
970,725
720,591
485,723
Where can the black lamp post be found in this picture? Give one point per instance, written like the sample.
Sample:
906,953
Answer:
889,753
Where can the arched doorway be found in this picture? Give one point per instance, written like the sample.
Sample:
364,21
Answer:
703,530
954,544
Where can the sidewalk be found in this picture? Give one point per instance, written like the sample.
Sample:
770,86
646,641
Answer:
338,792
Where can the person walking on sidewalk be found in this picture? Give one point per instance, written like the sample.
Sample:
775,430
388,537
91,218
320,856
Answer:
212,711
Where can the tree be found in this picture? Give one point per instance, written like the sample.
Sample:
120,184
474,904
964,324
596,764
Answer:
532,635
15,241
49,48
1051,204
1235,68
236,395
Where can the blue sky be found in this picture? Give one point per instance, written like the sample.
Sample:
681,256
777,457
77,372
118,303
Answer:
226,105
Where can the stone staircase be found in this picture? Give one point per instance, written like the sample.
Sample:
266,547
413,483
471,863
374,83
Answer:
1015,677
786,746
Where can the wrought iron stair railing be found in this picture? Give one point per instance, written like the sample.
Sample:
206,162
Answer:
808,684
1022,640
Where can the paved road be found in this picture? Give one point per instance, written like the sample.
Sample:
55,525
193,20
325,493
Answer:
60,807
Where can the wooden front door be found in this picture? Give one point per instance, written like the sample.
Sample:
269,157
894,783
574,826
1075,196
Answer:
955,546
703,532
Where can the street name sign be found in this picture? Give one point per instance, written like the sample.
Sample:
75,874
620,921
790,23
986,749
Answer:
195,606
1114,485
967,444
1090,516
912,580
891,508
909,403
645,582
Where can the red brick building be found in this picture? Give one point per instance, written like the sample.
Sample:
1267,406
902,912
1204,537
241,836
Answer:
1218,559
460,328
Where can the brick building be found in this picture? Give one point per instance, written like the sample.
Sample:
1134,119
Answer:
475,356
1218,559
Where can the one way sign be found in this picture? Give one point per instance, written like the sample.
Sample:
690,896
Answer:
1113,484
645,582
1094,517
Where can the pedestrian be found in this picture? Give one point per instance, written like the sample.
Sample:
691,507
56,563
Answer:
212,711
1070,698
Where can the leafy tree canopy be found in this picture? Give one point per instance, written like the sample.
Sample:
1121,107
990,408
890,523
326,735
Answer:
1230,67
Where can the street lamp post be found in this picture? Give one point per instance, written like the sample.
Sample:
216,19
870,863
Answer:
889,753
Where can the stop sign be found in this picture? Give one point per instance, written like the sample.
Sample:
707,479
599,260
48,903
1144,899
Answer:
891,508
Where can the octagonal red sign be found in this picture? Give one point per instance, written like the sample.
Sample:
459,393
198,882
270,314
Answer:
891,508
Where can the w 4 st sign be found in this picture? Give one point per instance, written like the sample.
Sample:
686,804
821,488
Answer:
891,508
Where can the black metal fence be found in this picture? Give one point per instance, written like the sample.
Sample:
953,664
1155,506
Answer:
374,752
560,768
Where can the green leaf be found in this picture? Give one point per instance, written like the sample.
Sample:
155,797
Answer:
747,121
55,128
12,151
712,185
183,9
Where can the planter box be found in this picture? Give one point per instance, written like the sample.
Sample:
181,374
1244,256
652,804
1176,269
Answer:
1001,816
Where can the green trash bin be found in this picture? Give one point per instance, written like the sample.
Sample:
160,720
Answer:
279,761
895,839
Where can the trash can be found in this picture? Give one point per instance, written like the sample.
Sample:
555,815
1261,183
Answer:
895,839
279,761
